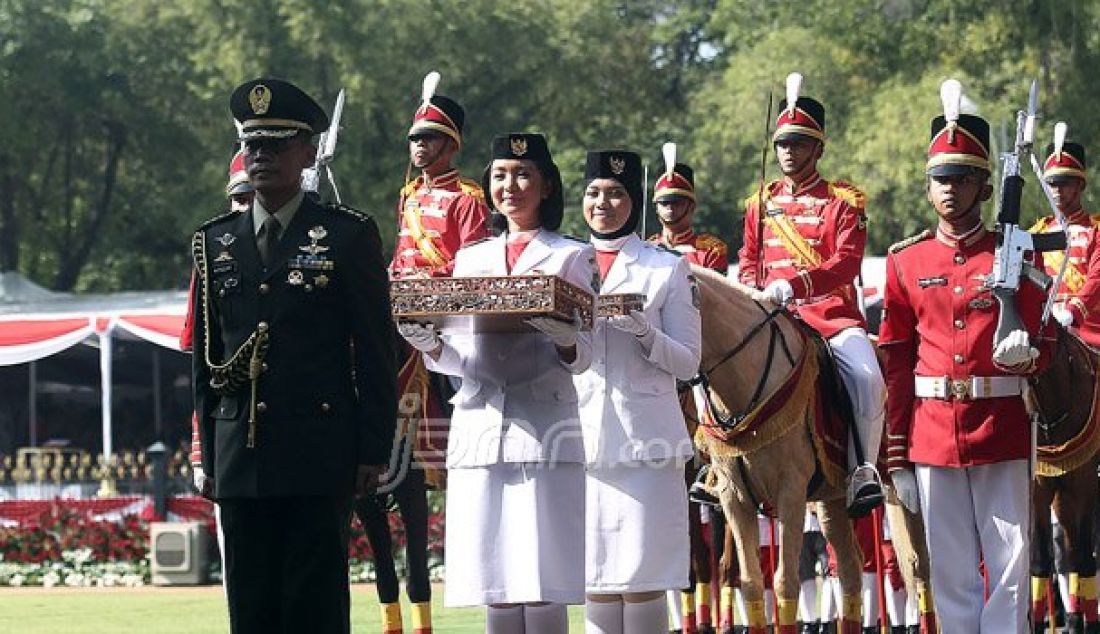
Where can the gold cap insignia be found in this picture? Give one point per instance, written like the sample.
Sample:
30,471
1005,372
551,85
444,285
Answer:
259,98
618,165
519,146
318,233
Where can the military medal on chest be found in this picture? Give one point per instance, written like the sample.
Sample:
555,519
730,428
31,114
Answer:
312,258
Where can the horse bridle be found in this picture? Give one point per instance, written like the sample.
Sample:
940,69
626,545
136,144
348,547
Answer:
727,422
1045,425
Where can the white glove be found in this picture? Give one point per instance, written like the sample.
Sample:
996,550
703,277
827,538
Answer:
198,477
1062,315
562,333
905,486
423,337
635,324
778,292
1014,350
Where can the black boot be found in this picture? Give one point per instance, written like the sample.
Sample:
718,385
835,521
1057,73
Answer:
870,630
828,627
912,629
897,629
1075,623
809,628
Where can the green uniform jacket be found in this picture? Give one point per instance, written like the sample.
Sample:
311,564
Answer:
325,388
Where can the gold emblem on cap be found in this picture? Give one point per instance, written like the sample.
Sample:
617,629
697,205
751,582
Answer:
519,146
618,165
259,98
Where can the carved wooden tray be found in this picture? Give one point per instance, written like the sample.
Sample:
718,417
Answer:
619,304
494,304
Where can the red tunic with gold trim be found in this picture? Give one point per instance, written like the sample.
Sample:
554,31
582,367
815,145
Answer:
436,220
1080,288
814,238
939,321
702,249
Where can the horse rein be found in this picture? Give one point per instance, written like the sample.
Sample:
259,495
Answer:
776,336
1045,425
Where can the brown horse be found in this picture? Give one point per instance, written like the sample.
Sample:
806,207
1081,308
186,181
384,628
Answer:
751,353
1065,399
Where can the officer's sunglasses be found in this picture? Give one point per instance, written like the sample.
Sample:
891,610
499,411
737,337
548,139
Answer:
269,145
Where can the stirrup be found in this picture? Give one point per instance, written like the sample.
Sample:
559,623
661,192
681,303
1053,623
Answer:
699,493
869,495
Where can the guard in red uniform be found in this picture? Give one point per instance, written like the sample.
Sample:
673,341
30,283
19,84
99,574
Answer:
1077,306
674,194
959,433
439,211
807,248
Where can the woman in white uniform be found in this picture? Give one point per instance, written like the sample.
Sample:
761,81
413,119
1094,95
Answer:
515,456
636,443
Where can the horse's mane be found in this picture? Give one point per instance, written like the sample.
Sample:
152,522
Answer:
713,278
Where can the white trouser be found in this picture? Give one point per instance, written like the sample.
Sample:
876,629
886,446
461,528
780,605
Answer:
859,370
971,514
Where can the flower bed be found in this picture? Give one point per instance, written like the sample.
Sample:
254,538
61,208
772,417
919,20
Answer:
66,546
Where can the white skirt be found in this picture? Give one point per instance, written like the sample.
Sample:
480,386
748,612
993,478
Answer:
514,534
636,528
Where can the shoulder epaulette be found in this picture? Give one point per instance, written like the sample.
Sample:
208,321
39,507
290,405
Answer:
410,187
849,193
910,241
1095,220
471,187
216,219
344,209
768,189
711,242
1044,222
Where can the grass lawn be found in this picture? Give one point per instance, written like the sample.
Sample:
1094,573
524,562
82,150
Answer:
200,610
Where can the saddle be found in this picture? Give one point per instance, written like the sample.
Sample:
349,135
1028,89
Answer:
835,414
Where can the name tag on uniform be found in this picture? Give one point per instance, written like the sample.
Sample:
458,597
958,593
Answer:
925,282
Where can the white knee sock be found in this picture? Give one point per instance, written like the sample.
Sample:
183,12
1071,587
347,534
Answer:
546,619
807,601
675,607
830,599
603,617
504,620
912,610
870,599
895,602
646,617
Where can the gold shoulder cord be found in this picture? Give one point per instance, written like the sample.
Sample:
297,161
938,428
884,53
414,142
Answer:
246,363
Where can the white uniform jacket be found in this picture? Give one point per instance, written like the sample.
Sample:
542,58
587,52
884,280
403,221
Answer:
517,402
629,406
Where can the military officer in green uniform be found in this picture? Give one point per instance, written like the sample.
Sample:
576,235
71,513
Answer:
293,373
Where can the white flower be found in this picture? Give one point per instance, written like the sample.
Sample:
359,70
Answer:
50,579
16,580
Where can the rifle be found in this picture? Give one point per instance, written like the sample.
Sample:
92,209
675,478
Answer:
1015,244
326,150
760,193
